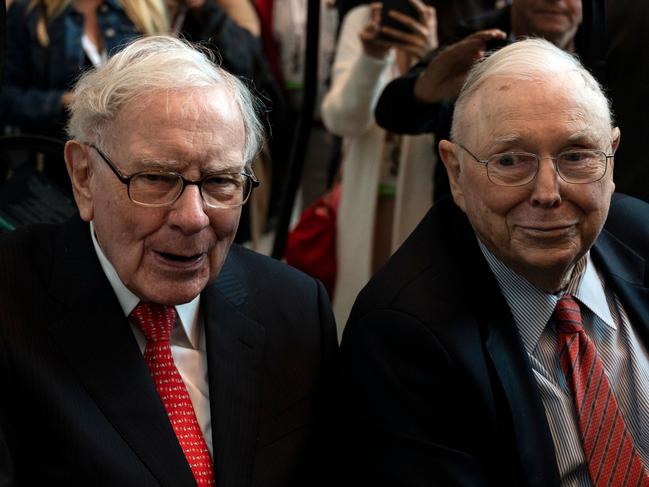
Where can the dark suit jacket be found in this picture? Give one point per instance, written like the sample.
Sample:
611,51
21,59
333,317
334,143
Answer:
77,404
436,387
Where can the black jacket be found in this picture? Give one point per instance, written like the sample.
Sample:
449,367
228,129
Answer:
78,406
436,388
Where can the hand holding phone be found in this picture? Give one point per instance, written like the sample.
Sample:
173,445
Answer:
409,25
404,7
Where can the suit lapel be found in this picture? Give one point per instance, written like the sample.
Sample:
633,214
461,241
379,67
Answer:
626,271
235,345
534,444
100,347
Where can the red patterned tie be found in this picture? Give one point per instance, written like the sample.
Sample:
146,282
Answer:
156,321
613,460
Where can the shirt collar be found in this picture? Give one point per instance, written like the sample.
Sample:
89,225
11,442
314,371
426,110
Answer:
187,313
532,307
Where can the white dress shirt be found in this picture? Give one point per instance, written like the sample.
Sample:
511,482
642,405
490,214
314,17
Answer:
187,343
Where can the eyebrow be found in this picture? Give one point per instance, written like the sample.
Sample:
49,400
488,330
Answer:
508,138
172,165
579,136
583,135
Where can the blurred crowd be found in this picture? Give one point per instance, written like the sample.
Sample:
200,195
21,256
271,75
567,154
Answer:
389,73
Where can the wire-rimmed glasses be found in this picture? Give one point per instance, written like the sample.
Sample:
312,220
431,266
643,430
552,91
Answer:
576,166
163,188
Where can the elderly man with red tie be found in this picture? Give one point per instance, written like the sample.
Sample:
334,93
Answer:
138,345
506,342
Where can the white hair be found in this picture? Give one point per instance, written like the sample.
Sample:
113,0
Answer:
532,59
155,63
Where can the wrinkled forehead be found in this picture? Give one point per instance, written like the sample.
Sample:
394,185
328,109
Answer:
186,102
199,107
568,99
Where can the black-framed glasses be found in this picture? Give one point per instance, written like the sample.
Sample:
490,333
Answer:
163,188
576,166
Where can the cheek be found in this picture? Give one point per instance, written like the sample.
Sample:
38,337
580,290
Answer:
225,229
123,229
488,209
224,223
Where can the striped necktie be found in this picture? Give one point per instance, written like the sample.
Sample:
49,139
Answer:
612,458
156,321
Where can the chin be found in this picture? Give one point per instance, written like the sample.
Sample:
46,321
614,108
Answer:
172,293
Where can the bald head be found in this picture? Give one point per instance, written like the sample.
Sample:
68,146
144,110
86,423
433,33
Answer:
533,60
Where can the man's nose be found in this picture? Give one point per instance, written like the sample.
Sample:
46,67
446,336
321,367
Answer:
188,211
546,189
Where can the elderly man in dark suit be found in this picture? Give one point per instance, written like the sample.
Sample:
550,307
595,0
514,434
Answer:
137,345
505,343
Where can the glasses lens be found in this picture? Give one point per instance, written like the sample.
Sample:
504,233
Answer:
511,169
226,190
155,188
582,166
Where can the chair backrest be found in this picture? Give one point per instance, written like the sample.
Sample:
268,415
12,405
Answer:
34,186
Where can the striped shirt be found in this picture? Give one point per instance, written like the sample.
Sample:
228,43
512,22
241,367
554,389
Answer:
624,357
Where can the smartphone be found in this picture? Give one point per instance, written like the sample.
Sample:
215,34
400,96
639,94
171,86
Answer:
402,6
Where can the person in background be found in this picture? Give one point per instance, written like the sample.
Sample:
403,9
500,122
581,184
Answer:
505,343
448,14
383,195
422,100
138,345
627,79
243,12
51,42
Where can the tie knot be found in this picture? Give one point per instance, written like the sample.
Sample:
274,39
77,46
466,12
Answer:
568,315
154,320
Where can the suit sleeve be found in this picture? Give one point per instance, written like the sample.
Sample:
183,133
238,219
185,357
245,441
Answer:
402,409
6,461
400,112
326,475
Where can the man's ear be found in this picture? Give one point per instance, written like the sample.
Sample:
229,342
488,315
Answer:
78,165
615,139
615,142
452,164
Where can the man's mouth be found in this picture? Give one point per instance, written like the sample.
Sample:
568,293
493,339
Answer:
549,12
180,259
548,230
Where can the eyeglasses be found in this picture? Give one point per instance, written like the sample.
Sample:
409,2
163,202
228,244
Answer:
162,188
578,166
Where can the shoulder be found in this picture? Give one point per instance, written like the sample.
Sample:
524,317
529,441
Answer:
356,18
26,247
422,278
293,308
263,270
628,221
19,15
26,260
268,290
20,7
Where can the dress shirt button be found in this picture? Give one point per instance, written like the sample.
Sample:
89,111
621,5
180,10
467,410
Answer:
110,32
103,8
